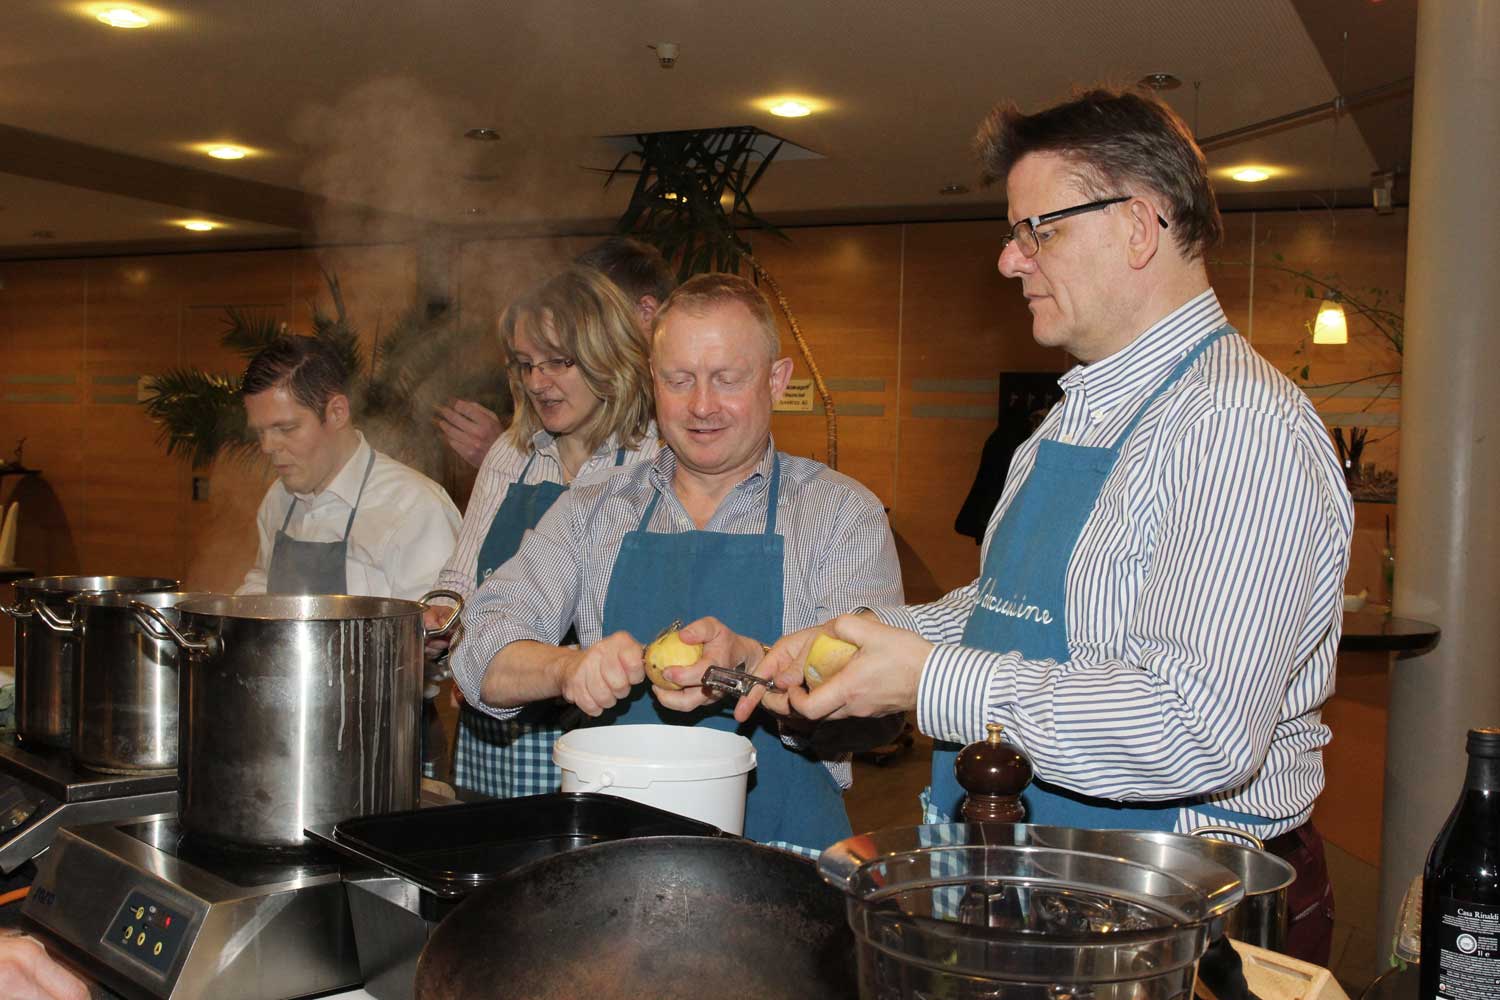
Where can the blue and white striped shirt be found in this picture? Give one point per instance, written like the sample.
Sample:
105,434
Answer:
839,556
1204,598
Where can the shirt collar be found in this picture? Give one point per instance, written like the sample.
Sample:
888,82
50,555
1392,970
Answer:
346,485
543,443
1142,363
664,467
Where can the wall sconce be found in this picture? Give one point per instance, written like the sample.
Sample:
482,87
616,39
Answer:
1331,327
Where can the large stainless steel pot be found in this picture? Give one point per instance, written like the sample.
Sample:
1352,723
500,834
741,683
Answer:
125,704
296,711
47,649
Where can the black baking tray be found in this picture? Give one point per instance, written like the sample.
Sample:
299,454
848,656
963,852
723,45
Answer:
450,851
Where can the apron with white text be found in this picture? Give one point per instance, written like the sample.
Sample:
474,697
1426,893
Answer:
1021,606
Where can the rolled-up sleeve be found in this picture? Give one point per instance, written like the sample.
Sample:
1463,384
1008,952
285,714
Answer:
533,596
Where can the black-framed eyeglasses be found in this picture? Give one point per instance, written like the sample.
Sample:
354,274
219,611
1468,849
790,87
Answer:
1025,236
551,368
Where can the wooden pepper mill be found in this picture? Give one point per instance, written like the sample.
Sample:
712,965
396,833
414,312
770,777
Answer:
994,772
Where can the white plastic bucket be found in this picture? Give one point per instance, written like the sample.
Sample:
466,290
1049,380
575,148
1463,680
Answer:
700,773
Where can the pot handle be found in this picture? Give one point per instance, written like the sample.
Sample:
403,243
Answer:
447,626
156,623
1230,831
52,619
20,609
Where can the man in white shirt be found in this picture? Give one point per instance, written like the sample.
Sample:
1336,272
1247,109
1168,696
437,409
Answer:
341,518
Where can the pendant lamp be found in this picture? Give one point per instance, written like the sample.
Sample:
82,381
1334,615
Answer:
1330,326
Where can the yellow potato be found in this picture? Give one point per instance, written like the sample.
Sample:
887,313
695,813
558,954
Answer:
670,651
827,657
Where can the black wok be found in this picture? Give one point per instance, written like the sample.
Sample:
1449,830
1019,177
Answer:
659,917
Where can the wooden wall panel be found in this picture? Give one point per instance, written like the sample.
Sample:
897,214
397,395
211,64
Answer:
844,287
962,324
111,500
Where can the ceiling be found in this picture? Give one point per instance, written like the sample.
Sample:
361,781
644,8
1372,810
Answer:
357,108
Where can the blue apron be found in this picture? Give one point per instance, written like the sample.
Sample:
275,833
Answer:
1026,568
299,567
511,757
738,579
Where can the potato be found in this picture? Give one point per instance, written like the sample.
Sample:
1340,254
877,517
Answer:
670,651
827,657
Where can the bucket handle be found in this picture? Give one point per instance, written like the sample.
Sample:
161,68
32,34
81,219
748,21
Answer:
156,623
52,619
605,780
1199,831
20,609
447,626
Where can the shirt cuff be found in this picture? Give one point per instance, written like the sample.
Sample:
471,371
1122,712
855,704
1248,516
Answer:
896,617
956,692
469,676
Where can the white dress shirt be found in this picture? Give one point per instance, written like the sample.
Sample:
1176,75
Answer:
1204,597
404,531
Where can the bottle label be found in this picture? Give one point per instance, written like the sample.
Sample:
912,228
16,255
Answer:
1469,951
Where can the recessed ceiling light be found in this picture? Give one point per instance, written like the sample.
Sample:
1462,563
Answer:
1160,81
123,17
227,152
200,225
790,109
1251,175
482,134
954,189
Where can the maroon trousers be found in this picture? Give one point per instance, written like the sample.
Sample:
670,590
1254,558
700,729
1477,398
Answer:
1310,899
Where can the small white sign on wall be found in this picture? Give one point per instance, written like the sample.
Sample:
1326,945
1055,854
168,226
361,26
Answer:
798,397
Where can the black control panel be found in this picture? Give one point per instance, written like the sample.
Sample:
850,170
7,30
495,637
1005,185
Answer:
147,931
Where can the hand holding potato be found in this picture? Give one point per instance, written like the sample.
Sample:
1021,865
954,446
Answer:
717,646
879,678
667,652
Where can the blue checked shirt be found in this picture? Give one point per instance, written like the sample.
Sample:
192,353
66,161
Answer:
1204,599
839,556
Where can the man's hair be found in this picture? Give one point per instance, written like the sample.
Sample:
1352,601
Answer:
1118,143
638,268
308,368
581,315
704,292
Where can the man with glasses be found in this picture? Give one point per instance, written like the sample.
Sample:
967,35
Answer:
1159,604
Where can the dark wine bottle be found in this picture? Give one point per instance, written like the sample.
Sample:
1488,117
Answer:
1461,887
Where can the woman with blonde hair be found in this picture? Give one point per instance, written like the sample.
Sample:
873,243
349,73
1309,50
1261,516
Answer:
581,384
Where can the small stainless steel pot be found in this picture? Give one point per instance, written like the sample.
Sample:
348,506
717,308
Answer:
296,711
1261,917
125,718
47,649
